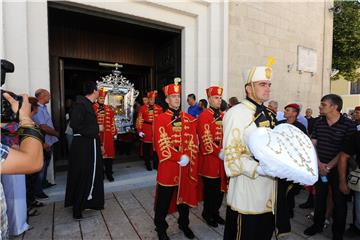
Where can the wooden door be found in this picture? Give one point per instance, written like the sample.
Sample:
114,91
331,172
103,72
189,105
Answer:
168,64
57,104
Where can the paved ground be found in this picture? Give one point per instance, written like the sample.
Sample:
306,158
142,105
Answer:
128,213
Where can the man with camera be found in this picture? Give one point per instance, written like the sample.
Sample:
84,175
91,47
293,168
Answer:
29,157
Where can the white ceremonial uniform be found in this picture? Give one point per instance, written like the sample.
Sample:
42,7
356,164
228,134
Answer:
248,192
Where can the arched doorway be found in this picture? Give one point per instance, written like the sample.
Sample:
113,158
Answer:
79,39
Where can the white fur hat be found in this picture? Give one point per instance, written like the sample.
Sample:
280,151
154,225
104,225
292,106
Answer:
260,73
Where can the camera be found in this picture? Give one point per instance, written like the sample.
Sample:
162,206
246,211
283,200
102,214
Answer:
7,114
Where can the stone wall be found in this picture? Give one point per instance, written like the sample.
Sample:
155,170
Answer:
258,30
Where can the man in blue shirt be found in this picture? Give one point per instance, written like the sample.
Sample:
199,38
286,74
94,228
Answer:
44,121
193,109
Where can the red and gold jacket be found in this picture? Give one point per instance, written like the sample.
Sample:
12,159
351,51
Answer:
174,137
145,119
106,117
210,131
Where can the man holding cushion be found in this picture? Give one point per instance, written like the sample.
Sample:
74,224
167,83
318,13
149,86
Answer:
251,195
176,144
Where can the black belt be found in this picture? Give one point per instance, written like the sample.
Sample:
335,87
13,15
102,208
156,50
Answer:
147,122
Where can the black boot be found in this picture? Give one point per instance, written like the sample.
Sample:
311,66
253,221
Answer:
147,164
312,230
110,178
163,236
209,221
155,160
219,220
108,169
187,231
77,215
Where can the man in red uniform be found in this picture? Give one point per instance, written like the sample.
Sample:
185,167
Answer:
105,118
176,143
144,126
211,167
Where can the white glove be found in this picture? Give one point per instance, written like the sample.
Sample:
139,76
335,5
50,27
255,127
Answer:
260,171
141,134
222,154
184,160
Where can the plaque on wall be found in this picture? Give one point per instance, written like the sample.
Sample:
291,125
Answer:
306,59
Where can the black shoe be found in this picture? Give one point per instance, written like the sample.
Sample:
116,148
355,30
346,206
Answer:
312,230
219,220
48,185
163,236
77,216
37,204
352,231
187,231
148,168
210,221
41,196
110,178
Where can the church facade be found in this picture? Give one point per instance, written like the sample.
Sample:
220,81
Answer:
217,41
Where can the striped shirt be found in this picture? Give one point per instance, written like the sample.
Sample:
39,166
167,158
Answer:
331,138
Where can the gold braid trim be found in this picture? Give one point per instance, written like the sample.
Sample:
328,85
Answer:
235,150
193,150
139,122
191,146
207,139
165,144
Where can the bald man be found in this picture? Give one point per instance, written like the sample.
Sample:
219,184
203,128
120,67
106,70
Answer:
43,119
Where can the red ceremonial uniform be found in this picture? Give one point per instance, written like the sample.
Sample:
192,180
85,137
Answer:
145,119
171,142
210,131
106,117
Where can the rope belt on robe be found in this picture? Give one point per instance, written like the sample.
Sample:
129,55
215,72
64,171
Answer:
94,170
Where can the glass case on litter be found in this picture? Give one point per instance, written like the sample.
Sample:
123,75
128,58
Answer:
121,95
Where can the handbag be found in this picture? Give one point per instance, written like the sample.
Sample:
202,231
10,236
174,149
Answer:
354,180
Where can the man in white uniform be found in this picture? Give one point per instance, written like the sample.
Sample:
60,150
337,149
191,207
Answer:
251,195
